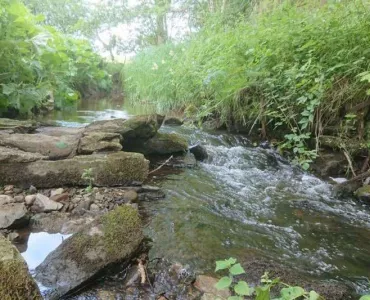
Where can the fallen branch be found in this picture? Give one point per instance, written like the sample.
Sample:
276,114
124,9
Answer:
349,162
141,270
161,165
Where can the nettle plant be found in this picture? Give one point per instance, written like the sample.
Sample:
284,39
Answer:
241,289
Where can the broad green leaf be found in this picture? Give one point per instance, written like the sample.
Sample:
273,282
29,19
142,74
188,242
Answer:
263,293
235,298
225,264
224,283
292,292
242,288
365,297
236,269
314,296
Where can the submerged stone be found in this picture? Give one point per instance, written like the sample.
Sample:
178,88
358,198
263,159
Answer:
15,281
112,238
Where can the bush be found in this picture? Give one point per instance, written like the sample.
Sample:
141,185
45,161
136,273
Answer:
38,62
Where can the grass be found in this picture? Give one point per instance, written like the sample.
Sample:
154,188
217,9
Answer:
293,68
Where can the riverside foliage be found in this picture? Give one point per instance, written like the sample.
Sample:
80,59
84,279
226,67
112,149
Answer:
38,62
295,69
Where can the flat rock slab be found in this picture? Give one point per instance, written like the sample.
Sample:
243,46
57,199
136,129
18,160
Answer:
120,168
52,147
18,156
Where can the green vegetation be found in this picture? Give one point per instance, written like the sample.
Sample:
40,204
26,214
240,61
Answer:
241,288
89,177
293,69
41,67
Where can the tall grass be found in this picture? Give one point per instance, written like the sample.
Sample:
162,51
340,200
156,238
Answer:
293,64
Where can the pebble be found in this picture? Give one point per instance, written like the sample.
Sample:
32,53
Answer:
94,207
60,197
29,199
56,192
8,188
32,189
19,198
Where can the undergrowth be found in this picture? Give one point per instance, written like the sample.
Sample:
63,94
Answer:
296,69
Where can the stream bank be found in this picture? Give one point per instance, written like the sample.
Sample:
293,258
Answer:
249,203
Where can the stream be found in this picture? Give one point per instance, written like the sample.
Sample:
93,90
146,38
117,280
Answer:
243,199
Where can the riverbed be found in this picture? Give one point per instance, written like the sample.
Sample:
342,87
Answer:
243,199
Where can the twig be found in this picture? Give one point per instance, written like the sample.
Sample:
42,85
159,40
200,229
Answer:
141,270
161,165
349,162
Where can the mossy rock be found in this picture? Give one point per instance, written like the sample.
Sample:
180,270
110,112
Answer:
18,126
113,238
160,144
363,193
15,281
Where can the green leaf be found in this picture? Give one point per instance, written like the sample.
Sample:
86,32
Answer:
243,289
235,298
224,283
292,292
365,297
236,270
225,264
263,293
314,296
61,145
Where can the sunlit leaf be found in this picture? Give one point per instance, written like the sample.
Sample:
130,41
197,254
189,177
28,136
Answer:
224,283
236,269
242,288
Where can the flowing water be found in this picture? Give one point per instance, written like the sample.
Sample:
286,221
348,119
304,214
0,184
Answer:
245,199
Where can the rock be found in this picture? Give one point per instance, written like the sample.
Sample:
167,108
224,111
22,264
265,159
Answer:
60,198
82,207
15,282
112,238
199,152
130,196
17,190
56,192
183,161
160,144
173,121
8,188
60,131
118,168
17,125
149,188
94,207
29,199
49,146
32,189
19,198
363,193
136,128
44,204
93,142
5,199
330,165
13,215
206,284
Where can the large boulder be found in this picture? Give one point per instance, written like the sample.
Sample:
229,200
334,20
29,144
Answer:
138,128
13,215
15,280
92,142
173,121
52,147
113,238
44,204
160,144
119,168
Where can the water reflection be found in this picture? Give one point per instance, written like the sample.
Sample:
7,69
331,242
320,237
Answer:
40,244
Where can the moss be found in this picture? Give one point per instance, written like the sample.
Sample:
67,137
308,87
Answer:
15,281
363,192
166,143
118,233
121,227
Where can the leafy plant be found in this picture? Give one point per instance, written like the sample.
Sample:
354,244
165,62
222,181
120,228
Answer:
89,177
262,292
